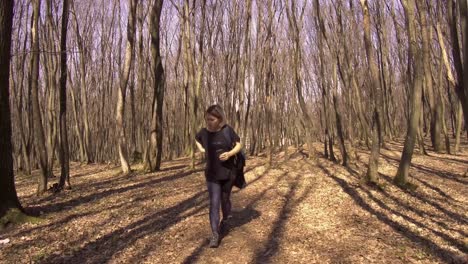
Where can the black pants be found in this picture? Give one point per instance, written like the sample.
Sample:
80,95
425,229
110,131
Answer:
220,195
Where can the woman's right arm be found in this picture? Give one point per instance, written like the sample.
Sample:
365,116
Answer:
200,147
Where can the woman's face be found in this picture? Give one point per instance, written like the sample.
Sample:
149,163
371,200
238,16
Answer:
212,122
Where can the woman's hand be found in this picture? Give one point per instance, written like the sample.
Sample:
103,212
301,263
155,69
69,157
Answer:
200,147
225,156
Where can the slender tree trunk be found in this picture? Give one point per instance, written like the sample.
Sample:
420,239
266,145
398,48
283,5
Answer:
84,98
245,67
324,87
426,54
339,127
458,128
372,170
122,141
82,153
64,149
50,67
416,90
18,91
39,138
156,132
449,77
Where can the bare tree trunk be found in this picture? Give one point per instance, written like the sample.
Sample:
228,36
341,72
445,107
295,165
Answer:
199,77
463,5
82,152
293,24
415,55
426,53
449,76
339,127
50,67
64,149
39,138
323,87
84,98
153,162
8,197
18,102
245,67
456,50
458,128
372,170
122,141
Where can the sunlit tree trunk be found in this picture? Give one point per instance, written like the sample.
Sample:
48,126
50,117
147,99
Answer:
122,141
372,169
39,138
416,90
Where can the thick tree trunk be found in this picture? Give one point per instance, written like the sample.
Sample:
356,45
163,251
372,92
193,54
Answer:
463,5
8,196
460,87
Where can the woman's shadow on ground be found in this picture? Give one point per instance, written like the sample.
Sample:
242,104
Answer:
236,220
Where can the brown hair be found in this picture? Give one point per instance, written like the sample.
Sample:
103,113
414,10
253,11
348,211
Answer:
216,111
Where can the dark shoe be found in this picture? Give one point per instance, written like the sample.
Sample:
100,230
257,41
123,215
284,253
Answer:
214,240
223,228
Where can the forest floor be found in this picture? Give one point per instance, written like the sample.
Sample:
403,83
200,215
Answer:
298,210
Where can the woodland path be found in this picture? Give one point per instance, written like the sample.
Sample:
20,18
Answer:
299,210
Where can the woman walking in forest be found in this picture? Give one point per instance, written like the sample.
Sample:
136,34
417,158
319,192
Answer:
220,143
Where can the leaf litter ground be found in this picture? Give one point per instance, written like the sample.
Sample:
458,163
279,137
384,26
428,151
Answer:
299,210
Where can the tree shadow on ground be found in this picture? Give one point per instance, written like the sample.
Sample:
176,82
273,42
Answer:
455,216
292,200
434,249
108,245
249,212
459,161
442,174
49,208
238,219
270,248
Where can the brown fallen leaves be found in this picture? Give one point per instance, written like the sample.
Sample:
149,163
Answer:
297,211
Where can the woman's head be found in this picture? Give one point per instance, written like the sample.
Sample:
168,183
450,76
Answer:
214,117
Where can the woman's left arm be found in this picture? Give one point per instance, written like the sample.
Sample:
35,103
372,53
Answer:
226,155
236,149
